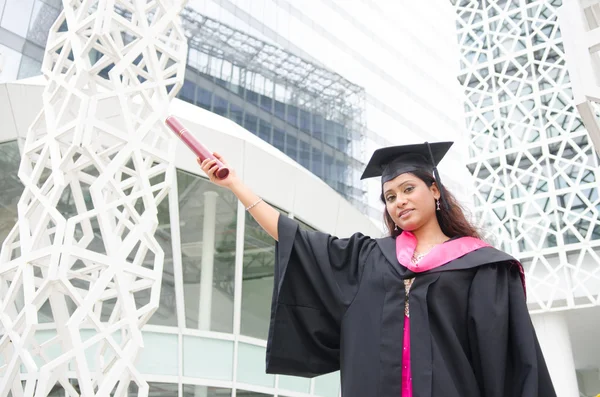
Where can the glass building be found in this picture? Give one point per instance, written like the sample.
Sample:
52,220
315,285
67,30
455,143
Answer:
208,336
325,84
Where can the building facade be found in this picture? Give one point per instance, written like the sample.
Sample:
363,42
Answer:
208,336
536,169
325,84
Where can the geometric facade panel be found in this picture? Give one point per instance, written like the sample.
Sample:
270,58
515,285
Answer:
96,164
534,165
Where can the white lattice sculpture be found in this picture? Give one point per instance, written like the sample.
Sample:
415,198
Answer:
534,165
80,273
580,25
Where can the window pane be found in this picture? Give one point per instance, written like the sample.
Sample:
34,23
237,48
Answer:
279,139
291,147
305,154
167,308
204,98
220,106
208,224
264,131
11,187
205,391
236,114
257,279
250,122
188,91
161,390
257,284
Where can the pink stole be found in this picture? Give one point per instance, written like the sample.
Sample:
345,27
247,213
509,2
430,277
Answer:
406,243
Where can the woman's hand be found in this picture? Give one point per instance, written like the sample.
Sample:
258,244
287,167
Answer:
210,167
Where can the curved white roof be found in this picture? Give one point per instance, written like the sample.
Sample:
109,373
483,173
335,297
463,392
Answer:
268,171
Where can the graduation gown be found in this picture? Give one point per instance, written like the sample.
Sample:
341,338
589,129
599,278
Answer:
338,304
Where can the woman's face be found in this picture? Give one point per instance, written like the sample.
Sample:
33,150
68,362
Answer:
410,202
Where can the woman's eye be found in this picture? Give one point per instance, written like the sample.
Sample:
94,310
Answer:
389,199
409,189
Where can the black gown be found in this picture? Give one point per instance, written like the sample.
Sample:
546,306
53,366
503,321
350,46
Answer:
338,304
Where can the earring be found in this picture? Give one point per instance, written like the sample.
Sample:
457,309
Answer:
396,228
438,204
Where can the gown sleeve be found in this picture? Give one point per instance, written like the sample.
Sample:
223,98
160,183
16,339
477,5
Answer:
316,278
506,354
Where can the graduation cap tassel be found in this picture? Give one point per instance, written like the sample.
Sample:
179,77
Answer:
438,181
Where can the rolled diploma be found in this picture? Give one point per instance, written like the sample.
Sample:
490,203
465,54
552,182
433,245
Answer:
199,149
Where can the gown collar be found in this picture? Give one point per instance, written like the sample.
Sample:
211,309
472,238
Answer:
406,243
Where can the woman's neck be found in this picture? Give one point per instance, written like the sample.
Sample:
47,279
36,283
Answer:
429,235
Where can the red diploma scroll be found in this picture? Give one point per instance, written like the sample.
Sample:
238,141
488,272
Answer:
199,149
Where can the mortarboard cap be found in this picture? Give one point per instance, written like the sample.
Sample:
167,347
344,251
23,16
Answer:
392,161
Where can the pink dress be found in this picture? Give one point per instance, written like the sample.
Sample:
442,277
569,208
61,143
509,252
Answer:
405,248
406,371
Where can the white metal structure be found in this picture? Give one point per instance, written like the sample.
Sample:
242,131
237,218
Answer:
125,162
579,22
535,168
184,354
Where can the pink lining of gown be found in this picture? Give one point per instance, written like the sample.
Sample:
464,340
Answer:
405,248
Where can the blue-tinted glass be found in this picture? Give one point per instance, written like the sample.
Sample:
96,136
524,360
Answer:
266,103
236,114
220,106
329,133
291,147
188,91
328,171
203,98
264,131
279,139
317,126
305,154
304,121
317,162
292,115
250,122
221,82
280,110
252,97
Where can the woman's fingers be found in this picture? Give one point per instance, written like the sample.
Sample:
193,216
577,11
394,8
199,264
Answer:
220,158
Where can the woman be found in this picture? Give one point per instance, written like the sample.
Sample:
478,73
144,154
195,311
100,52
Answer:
429,311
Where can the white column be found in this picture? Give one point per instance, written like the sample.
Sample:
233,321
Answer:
553,333
208,260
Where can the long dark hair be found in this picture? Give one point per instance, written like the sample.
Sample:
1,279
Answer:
453,221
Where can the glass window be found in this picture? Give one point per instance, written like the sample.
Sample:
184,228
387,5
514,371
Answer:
252,97
160,390
257,284
11,187
279,139
250,123
205,391
304,121
317,126
220,106
264,131
42,18
208,216
316,166
305,154
16,17
236,114
291,147
166,314
188,91
266,103
292,115
204,98
280,110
